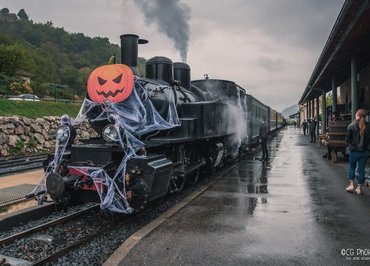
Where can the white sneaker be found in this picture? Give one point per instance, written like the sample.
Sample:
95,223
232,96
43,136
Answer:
350,188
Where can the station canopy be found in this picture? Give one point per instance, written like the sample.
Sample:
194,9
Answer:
349,36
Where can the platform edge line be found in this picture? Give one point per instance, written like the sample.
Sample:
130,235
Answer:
120,253
123,250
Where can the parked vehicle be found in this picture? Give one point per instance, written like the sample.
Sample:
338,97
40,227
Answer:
25,97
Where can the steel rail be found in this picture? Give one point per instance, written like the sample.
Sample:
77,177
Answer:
86,239
44,226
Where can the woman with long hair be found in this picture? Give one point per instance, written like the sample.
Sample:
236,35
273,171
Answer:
358,136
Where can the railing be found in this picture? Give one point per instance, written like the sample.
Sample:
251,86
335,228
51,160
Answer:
60,100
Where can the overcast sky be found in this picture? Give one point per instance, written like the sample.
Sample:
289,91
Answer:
269,47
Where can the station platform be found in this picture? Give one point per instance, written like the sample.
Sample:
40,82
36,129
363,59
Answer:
15,187
291,210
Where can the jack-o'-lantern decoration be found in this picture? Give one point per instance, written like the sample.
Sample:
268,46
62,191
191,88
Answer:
114,82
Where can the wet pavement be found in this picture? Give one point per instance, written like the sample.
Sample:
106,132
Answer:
292,209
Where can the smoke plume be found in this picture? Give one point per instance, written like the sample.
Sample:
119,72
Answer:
172,18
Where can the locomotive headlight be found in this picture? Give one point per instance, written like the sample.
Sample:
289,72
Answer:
110,133
63,134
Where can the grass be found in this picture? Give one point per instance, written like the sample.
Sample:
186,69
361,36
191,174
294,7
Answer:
4,209
37,109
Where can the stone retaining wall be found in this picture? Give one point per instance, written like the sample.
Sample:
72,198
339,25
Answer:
21,135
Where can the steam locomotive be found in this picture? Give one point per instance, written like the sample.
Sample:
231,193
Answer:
155,133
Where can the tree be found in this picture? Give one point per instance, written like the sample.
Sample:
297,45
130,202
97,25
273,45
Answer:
71,77
22,14
11,58
14,58
5,82
329,99
4,11
50,24
40,89
51,54
32,36
20,88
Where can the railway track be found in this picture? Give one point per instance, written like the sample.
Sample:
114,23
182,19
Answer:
44,226
87,240
47,242
77,244
24,238
14,165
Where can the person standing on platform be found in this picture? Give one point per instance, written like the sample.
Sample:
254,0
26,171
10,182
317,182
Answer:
358,137
263,135
313,130
304,126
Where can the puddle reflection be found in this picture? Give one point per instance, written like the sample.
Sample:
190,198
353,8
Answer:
255,184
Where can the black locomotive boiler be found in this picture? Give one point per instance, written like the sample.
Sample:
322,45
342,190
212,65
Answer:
155,133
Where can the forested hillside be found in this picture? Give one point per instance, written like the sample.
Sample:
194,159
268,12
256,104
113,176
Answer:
57,62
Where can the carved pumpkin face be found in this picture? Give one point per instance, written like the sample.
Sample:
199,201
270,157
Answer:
114,82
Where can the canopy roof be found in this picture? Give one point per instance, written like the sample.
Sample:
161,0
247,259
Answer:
349,36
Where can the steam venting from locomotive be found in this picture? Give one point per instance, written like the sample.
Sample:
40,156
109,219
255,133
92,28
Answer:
237,117
163,11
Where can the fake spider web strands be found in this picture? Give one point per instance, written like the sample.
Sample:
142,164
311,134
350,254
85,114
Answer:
53,165
133,118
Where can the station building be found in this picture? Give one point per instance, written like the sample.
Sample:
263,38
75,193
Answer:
342,72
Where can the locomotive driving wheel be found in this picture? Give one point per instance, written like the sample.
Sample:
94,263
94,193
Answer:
192,178
138,194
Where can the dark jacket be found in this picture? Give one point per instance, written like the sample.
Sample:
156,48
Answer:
264,131
313,126
353,137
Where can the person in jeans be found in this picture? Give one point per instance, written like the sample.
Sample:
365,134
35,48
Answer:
264,134
358,136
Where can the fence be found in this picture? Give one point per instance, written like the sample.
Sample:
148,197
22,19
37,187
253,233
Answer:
34,98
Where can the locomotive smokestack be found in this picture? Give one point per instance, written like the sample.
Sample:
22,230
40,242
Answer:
129,50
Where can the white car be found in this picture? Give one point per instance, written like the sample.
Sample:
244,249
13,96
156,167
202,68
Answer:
25,97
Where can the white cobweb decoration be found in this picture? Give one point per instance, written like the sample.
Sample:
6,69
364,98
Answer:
133,118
